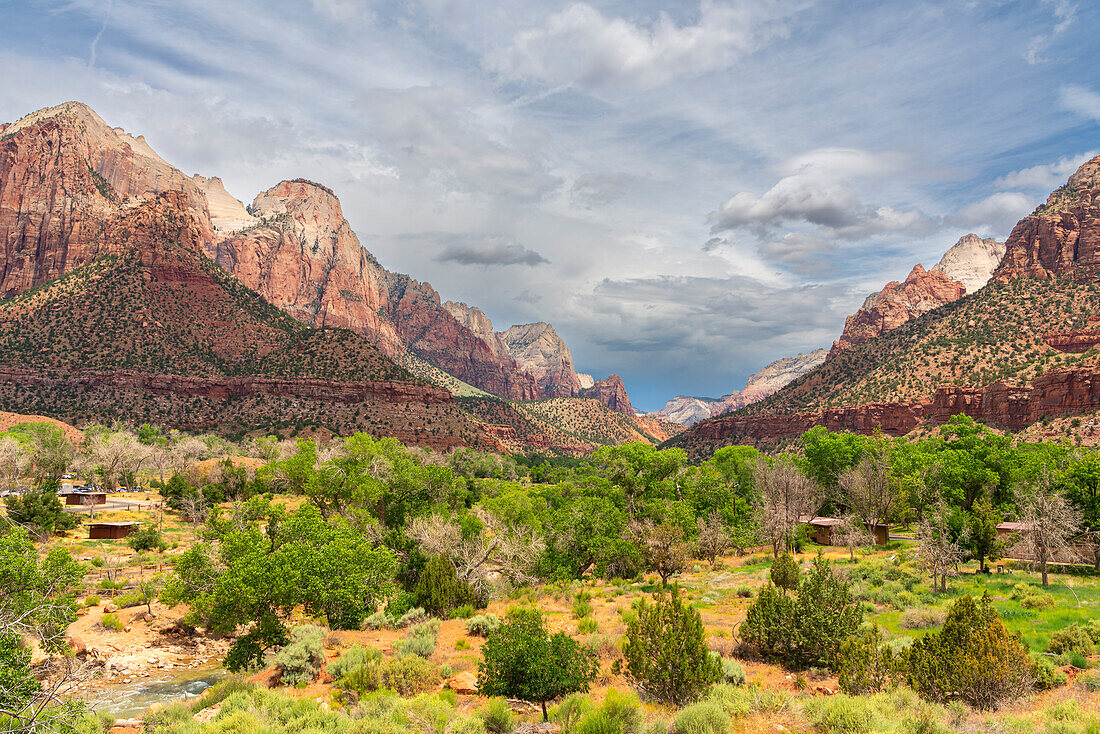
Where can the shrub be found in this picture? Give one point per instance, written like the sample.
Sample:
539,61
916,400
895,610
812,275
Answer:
408,675
733,700
620,713
439,589
415,615
91,601
587,626
462,643
1072,639
378,620
355,656
463,612
112,622
147,537
446,670
582,604
420,640
744,591
806,628
666,651
301,659
784,572
482,625
522,660
864,664
1089,680
497,717
705,717
1038,600
570,711
843,715
1047,676
973,658
732,672
921,619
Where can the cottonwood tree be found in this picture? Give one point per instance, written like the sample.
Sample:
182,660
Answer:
786,497
15,461
111,454
661,544
1050,523
939,547
713,539
868,490
510,552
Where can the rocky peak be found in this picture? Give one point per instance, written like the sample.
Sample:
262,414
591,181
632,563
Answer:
971,261
611,392
227,213
897,303
539,350
474,319
1060,236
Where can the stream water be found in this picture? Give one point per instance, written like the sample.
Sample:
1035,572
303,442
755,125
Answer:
132,700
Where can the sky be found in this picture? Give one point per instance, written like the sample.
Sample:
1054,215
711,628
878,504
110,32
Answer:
685,190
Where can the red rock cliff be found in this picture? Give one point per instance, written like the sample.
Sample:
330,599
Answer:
611,392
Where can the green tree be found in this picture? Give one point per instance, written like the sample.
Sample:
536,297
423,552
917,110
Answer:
37,600
666,653
40,511
147,537
522,660
439,589
807,628
265,563
784,572
984,543
973,658
865,664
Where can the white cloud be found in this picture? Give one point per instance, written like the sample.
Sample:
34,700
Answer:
580,45
1044,177
821,190
341,11
1065,12
490,251
995,215
1081,100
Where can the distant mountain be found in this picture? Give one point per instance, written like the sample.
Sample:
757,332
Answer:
539,350
687,411
963,269
1022,348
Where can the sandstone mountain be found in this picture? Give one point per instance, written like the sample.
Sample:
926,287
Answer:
971,261
1020,348
964,268
687,411
611,392
151,330
539,350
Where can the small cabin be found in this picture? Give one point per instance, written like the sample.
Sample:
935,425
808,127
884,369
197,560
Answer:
86,498
111,530
1007,529
823,530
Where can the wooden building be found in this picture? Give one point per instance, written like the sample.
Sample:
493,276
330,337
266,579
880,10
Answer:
823,530
86,498
111,530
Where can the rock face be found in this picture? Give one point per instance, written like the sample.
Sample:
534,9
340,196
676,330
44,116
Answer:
896,304
539,350
1060,236
611,392
586,380
688,411
1074,341
971,261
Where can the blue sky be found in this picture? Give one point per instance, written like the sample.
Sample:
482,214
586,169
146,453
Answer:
686,190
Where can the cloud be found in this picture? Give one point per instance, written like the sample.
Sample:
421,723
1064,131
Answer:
1081,100
580,45
340,11
803,252
1065,13
598,188
996,214
490,252
1044,177
820,190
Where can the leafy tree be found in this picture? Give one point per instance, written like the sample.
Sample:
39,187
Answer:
583,531
37,600
828,454
266,563
662,546
440,590
1082,488
865,664
973,658
784,572
522,660
41,511
984,542
807,628
147,537
666,653
640,469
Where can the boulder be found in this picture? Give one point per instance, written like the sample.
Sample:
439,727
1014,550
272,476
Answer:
464,682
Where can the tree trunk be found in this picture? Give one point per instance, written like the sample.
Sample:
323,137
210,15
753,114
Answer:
545,717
